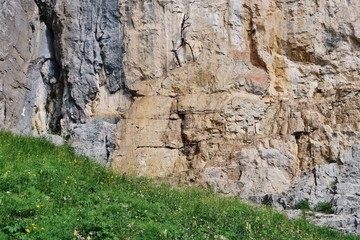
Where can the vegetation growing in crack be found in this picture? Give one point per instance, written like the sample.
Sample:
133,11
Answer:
325,207
303,205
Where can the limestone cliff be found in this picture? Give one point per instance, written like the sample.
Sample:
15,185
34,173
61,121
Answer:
258,99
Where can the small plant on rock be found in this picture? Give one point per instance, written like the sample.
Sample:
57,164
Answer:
324,207
303,205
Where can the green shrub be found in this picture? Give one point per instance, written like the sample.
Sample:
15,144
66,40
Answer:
325,207
303,205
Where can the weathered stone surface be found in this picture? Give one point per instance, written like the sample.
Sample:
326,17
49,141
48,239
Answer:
95,139
62,66
334,183
258,99
344,223
18,50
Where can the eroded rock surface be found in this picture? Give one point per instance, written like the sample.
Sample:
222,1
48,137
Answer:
258,99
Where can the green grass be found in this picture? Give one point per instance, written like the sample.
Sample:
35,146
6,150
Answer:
303,205
47,192
324,207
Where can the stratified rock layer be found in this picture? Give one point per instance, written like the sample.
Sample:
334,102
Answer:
253,98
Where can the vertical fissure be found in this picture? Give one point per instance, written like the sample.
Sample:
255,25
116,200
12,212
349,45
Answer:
50,70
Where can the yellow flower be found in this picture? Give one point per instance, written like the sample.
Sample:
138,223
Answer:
33,224
42,228
38,206
27,230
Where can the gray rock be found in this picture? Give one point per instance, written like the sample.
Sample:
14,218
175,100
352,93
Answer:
17,51
345,223
55,139
94,139
334,184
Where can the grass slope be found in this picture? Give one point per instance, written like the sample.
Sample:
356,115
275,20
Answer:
47,192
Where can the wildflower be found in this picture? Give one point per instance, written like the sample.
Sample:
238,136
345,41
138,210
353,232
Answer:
42,229
38,206
33,224
165,232
27,230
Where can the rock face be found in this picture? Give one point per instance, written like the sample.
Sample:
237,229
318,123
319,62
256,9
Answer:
258,99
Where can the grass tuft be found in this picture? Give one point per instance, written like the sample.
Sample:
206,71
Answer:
303,205
48,192
325,207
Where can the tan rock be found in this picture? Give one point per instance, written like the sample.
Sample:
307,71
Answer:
147,162
150,107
